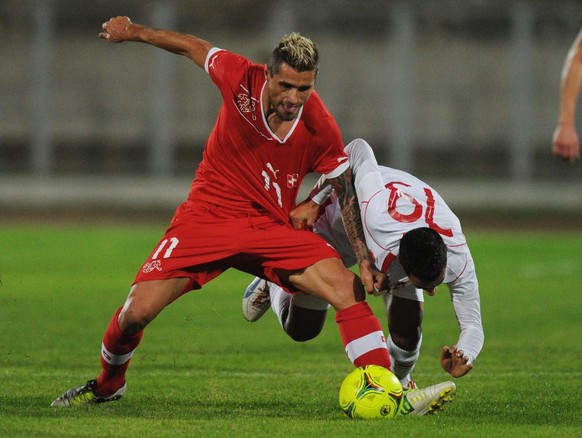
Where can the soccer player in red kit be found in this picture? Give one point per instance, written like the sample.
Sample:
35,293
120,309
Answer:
271,131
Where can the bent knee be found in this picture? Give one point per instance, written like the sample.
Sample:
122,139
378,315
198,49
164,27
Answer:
304,324
406,342
133,319
146,300
302,334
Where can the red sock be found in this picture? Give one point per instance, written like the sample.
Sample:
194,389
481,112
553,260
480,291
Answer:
362,335
116,352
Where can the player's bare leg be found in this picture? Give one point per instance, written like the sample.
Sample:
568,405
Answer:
361,331
331,280
144,302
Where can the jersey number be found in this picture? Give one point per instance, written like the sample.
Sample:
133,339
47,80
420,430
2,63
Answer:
271,183
396,194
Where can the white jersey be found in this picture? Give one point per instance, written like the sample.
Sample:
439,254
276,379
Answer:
393,202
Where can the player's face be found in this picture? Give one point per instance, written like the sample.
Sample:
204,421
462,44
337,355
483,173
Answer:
429,287
288,90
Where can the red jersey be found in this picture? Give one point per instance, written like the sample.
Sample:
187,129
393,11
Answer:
245,166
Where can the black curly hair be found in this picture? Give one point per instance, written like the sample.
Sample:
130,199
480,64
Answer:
423,253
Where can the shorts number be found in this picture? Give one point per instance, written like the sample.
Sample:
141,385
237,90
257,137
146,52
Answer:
173,244
416,214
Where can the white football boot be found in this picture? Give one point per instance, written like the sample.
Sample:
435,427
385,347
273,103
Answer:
430,400
256,300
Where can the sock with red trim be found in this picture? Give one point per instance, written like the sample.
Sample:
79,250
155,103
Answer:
362,336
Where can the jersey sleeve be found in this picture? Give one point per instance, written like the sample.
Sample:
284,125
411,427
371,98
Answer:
467,305
210,57
367,176
321,191
338,170
223,67
327,151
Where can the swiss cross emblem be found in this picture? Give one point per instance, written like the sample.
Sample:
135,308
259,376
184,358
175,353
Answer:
292,180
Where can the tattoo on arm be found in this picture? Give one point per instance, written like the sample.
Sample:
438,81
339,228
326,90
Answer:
350,209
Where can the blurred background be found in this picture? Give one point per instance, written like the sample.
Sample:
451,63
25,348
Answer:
462,93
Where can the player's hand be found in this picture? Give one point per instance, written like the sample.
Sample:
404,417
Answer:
305,215
117,30
566,144
454,361
374,281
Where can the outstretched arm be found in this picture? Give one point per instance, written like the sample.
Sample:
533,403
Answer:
365,179
565,141
308,211
120,29
458,359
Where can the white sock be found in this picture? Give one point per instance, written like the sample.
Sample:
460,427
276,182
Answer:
403,361
279,300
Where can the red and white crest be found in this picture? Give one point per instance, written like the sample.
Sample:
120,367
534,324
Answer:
292,180
245,103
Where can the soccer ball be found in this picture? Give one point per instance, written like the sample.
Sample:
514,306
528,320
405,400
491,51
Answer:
371,392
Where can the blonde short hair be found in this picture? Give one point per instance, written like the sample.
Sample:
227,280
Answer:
297,51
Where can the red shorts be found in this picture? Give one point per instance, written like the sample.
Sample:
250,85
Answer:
204,240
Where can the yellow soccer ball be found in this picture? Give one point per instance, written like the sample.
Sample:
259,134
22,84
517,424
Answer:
371,392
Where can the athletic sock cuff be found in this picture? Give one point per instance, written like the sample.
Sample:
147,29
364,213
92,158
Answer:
355,311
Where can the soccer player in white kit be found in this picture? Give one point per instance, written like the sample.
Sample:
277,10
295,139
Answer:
393,204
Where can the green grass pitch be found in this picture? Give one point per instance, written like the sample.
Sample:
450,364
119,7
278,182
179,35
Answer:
202,370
